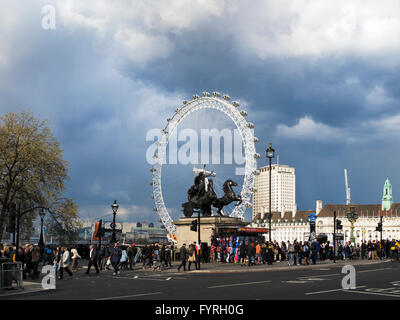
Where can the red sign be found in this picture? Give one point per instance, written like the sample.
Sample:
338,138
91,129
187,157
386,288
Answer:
95,238
256,230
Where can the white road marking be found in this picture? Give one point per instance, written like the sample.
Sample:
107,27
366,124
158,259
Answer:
374,270
373,293
321,275
142,278
131,296
333,290
238,284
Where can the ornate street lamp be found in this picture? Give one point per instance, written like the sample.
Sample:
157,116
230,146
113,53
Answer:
41,241
352,216
270,154
114,208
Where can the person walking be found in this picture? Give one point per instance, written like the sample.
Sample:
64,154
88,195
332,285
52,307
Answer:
192,256
65,263
134,253
183,257
251,252
74,258
48,256
115,257
35,262
314,251
27,259
270,253
258,253
123,262
92,259
168,257
101,255
292,254
129,252
146,253
373,250
306,253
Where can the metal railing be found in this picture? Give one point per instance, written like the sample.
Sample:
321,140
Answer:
11,276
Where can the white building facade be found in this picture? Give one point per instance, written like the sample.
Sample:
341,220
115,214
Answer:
294,225
283,190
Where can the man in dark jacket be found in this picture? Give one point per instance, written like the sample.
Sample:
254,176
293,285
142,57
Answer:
92,259
251,252
129,252
314,251
115,257
183,257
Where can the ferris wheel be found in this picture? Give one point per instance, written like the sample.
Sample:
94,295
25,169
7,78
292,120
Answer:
230,109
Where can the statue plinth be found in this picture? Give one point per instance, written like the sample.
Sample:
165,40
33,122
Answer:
209,226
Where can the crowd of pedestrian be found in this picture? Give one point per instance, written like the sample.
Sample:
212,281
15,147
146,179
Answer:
66,259
155,256
257,251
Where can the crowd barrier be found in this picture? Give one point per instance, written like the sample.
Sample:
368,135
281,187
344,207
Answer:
11,276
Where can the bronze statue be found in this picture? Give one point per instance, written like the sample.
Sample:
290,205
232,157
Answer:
201,196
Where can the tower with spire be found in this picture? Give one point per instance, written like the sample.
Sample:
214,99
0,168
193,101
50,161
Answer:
387,199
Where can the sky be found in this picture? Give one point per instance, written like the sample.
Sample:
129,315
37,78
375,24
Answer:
320,80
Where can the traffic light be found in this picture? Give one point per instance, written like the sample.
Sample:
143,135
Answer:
379,227
312,226
12,215
99,229
193,227
339,224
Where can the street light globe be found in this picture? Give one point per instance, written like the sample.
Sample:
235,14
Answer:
270,152
115,206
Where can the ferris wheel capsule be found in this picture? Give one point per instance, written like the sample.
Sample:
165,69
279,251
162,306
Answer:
184,102
216,94
226,97
244,113
196,96
250,125
206,94
257,155
256,139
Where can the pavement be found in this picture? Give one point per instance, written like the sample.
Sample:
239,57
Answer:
374,280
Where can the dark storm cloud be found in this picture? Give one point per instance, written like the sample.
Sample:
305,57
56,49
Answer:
104,83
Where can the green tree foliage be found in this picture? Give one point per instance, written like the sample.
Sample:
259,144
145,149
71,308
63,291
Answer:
32,169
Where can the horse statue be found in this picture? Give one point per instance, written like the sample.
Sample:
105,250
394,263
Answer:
229,196
201,196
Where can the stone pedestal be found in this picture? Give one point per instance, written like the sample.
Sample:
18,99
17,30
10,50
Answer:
209,226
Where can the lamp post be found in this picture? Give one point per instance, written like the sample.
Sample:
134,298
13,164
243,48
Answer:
270,154
352,216
41,241
114,208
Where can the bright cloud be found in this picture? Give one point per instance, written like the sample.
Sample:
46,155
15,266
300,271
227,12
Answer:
307,128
